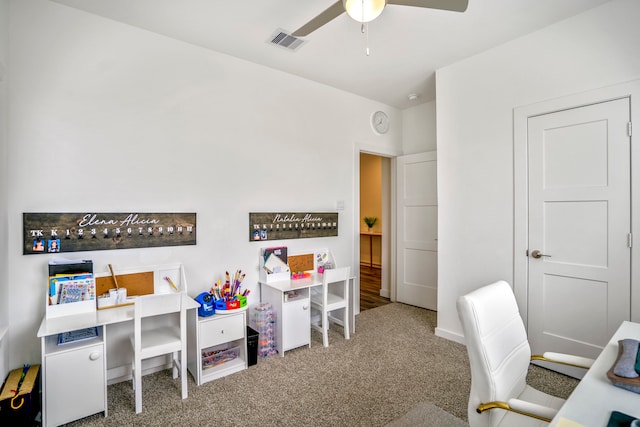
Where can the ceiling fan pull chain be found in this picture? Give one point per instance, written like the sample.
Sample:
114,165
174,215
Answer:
364,28
366,35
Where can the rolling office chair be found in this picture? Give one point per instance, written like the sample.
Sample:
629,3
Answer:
499,355
159,339
328,300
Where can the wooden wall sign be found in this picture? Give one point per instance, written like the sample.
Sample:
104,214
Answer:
288,225
73,232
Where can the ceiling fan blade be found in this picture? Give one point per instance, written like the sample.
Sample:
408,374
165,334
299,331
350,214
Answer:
452,5
329,14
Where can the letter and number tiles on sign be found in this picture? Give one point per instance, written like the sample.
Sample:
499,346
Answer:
73,232
288,225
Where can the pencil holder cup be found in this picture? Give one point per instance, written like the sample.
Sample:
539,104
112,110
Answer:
107,301
240,302
118,296
122,296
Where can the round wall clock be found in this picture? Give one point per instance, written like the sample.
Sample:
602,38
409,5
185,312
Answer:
380,122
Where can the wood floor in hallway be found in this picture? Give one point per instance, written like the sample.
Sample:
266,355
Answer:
370,279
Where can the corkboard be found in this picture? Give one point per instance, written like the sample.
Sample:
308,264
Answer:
300,262
136,283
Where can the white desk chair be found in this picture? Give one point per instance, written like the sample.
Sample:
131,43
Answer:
499,355
328,300
160,339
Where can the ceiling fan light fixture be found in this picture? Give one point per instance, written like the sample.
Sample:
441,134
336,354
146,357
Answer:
364,10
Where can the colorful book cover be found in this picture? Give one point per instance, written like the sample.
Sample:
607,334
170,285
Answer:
78,335
279,251
65,289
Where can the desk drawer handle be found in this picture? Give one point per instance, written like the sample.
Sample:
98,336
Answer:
95,355
305,307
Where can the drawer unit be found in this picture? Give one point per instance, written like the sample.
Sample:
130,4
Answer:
223,329
217,345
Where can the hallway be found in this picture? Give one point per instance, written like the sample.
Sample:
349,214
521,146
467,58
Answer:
370,288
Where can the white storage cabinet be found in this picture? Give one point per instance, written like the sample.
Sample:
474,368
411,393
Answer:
74,379
293,316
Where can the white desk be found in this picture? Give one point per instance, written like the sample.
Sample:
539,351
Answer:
595,397
293,315
74,375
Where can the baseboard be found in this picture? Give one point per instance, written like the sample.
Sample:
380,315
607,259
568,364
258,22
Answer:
451,336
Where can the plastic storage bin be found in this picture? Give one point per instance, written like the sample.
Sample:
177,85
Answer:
212,357
263,320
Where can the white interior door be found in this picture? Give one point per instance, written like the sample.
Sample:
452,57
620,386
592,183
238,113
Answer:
579,227
417,222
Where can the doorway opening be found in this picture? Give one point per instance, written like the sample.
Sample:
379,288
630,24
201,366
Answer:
375,172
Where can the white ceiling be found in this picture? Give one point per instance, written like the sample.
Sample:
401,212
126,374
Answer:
406,43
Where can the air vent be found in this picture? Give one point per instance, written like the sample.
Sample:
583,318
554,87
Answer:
285,40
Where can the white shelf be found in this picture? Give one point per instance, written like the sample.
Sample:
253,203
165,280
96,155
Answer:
52,346
236,365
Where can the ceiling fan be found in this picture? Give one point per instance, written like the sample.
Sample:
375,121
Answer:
365,11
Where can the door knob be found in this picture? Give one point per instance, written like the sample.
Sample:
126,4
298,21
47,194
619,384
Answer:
537,254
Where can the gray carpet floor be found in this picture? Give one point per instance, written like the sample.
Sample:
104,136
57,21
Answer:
427,414
392,368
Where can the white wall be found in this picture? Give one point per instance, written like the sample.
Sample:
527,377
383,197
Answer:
419,128
4,262
475,102
132,121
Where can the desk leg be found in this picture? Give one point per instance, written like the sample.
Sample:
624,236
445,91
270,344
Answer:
352,305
